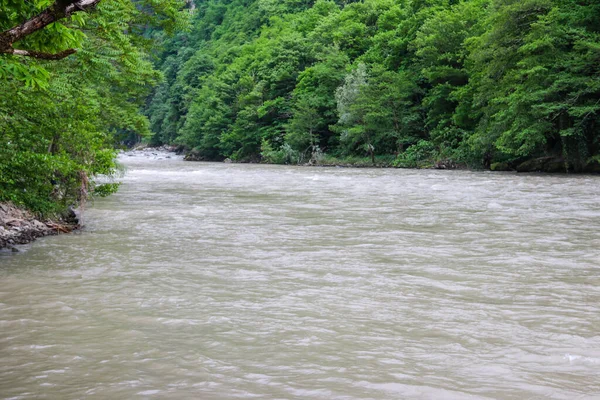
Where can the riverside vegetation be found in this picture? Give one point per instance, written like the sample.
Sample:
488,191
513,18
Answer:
409,83
73,78
497,84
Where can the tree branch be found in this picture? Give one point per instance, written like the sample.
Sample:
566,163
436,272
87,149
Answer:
60,9
42,55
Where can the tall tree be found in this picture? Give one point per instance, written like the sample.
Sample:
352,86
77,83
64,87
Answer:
60,120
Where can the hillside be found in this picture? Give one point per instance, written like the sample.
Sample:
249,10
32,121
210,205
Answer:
477,83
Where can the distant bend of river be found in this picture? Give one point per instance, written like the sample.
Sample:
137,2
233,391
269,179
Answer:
226,281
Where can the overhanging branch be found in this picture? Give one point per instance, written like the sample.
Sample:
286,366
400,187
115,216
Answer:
60,9
42,55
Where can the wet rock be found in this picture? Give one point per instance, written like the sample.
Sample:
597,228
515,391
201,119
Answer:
501,166
534,165
179,150
592,167
70,216
556,166
445,164
227,161
193,156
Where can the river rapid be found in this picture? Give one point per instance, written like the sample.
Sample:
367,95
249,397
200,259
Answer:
227,281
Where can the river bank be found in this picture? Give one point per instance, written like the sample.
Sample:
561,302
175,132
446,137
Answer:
19,226
551,165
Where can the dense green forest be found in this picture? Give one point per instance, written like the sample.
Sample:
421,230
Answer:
413,83
408,83
71,92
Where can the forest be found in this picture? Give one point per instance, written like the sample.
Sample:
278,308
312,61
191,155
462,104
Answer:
407,83
481,84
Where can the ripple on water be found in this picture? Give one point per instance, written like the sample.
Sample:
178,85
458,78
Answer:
243,281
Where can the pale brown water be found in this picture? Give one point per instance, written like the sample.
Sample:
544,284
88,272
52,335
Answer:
224,281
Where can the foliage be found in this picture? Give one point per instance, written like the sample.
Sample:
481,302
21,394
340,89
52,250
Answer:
284,155
467,81
60,121
417,155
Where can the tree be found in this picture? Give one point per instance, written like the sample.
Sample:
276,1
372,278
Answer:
315,108
535,73
59,10
60,121
442,53
55,30
467,82
352,111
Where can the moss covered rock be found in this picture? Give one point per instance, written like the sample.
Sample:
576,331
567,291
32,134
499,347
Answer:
501,166
534,165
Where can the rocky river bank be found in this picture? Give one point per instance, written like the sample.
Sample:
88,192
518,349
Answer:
18,226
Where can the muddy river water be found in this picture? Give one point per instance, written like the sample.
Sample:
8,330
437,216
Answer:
226,281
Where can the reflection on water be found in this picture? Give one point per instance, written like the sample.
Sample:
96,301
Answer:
221,281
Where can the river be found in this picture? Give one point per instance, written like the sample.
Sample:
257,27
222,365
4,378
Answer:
225,281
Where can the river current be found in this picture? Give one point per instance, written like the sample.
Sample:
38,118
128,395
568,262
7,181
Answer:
230,281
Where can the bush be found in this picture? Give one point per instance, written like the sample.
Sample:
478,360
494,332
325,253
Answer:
285,154
419,155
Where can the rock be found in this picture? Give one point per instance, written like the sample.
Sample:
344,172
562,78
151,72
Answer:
15,223
179,150
227,161
534,165
500,166
592,167
38,225
70,217
18,226
193,156
445,164
555,166
551,165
